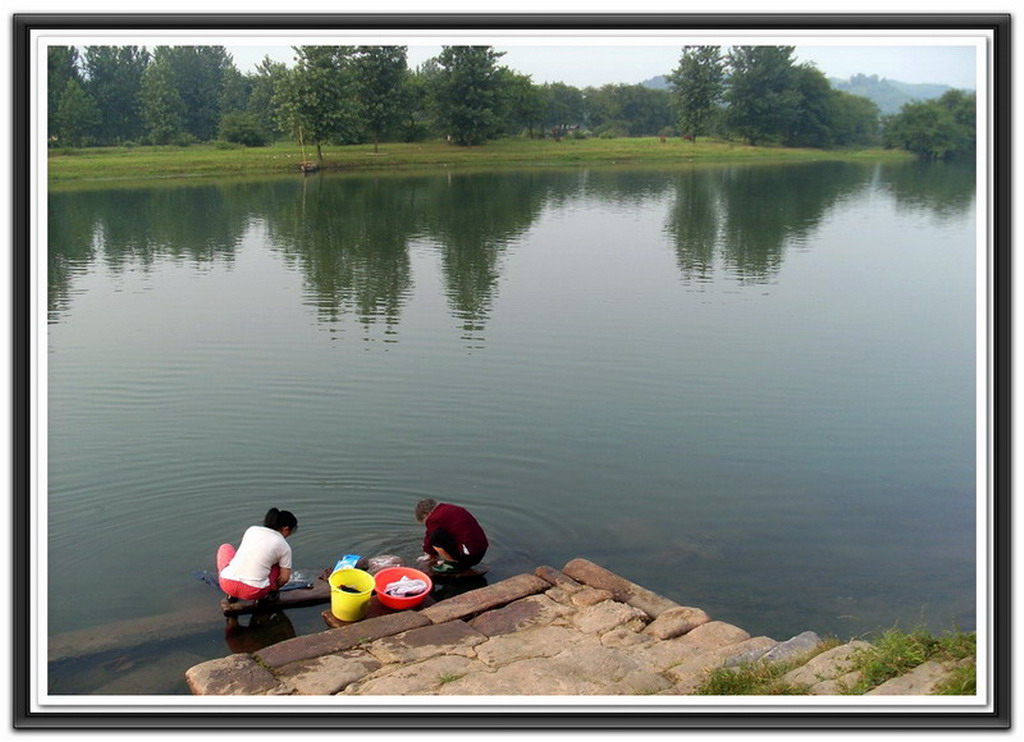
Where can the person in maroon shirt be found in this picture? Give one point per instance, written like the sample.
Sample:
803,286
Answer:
454,538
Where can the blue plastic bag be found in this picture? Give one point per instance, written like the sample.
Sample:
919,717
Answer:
349,561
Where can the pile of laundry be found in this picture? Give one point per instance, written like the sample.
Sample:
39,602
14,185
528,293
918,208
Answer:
405,587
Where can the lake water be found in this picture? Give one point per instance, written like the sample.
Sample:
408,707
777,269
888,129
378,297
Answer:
748,388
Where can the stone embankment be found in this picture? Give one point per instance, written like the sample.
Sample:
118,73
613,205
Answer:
582,630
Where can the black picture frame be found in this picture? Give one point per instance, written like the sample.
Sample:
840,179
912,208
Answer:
24,385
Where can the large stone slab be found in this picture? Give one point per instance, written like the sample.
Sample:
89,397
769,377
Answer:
585,571
558,578
663,655
235,675
714,635
791,649
416,645
534,610
591,596
836,686
543,641
676,622
429,677
562,595
604,665
333,641
584,668
477,601
692,671
921,681
608,615
829,665
328,675
527,677
639,683
623,637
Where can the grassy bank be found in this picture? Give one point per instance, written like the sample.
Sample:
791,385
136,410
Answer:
892,654
107,163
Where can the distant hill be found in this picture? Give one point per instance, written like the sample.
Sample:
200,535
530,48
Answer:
888,95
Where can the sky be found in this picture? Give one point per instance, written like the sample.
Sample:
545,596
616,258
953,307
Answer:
595,65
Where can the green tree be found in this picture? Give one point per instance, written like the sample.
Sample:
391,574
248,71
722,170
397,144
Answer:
235,91
381,72
644,111
697,87
317,99
812,124
601,110
468,93
564,105
936,129
262,84
854,119
418,88
524,105
242,127
763,102
77,115
197,73
114,80
162,108
627,110
61,67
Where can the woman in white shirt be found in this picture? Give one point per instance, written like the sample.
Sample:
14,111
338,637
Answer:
263,561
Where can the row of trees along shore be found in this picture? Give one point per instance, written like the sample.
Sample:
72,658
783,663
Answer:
339,95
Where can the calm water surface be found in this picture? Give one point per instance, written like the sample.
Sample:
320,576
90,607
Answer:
750,389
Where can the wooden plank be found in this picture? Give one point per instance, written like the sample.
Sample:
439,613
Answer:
319,593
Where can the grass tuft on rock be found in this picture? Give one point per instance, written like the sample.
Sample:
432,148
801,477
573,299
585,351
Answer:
893,653
899,651
755,679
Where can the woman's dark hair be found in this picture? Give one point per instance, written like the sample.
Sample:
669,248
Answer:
278,519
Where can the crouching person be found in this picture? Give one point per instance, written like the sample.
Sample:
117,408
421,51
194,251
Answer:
263,561
454,540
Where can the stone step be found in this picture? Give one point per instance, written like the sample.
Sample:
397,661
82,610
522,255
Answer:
337,640
921,681
477,601
588,573
581,630
830,672
790,650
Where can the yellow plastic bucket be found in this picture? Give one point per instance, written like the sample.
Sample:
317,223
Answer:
350,605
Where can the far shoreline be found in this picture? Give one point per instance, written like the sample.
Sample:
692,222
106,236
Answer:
217,159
